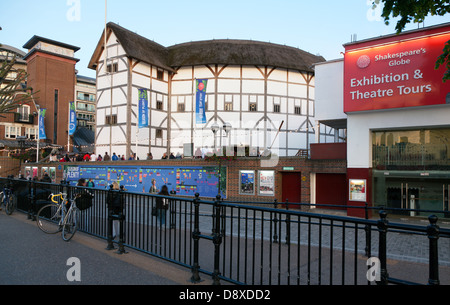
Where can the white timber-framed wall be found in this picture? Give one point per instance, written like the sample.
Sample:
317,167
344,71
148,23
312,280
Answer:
255,99
231,93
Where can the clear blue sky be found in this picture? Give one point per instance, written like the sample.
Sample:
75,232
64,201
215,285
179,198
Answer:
319,27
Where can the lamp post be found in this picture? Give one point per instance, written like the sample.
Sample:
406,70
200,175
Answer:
215,128
227,128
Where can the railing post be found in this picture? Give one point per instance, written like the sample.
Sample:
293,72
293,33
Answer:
121,220
217,240
433,236
34,208
368,230
196,237
382,229
30,198
172,213
275,222
288,224
110,245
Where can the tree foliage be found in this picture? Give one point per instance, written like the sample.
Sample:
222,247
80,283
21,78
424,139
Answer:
13,91
416,11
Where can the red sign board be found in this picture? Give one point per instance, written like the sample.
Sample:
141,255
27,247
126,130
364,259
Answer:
396,72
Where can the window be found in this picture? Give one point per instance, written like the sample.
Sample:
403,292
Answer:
31,133
24,113
111,119
253,106
159,103
298,110
112,67
159,133
55,117
276,108
228,106
181,107
86,96
12,132
160,75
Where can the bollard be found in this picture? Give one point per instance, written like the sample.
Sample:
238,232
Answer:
382,229
110,195
217,240
368,232
196,237
121,218
433,236
30,198
275,222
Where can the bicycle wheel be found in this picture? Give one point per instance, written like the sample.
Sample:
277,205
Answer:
10,205
70,224
49,218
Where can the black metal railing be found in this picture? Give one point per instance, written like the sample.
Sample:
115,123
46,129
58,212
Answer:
259,245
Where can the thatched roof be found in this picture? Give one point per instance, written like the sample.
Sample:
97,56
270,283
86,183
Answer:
241,52
224,52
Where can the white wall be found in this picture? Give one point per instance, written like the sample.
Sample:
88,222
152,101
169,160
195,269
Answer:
330,90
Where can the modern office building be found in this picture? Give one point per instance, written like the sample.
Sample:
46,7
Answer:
55,82
395,106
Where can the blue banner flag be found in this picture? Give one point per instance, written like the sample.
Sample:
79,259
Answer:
72,118
143,108
42,135
201,100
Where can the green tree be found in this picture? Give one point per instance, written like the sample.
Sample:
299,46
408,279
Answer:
13,91
416,11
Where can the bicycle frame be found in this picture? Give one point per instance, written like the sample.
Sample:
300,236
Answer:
66,214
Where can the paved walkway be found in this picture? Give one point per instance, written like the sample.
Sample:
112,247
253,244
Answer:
30,257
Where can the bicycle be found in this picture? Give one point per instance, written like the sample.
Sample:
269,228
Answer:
8,199
61,217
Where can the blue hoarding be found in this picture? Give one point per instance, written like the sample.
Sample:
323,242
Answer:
182,181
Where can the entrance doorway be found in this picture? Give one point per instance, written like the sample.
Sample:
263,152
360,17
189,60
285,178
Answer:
291,187
427,195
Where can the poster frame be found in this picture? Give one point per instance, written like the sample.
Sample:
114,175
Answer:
270,184
252,193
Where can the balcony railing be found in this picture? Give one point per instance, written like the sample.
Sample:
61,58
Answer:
411,156
26,119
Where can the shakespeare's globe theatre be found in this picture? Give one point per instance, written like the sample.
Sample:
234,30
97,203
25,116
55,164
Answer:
264,92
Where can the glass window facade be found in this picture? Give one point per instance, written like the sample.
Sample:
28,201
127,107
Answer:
421,149
411,171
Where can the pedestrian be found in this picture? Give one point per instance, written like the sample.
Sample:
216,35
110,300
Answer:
93,157
114,207
86,157
114,157
106,157
46,178
162,205
90,183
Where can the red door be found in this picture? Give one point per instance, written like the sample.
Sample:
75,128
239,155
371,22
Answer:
291,187
331,189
